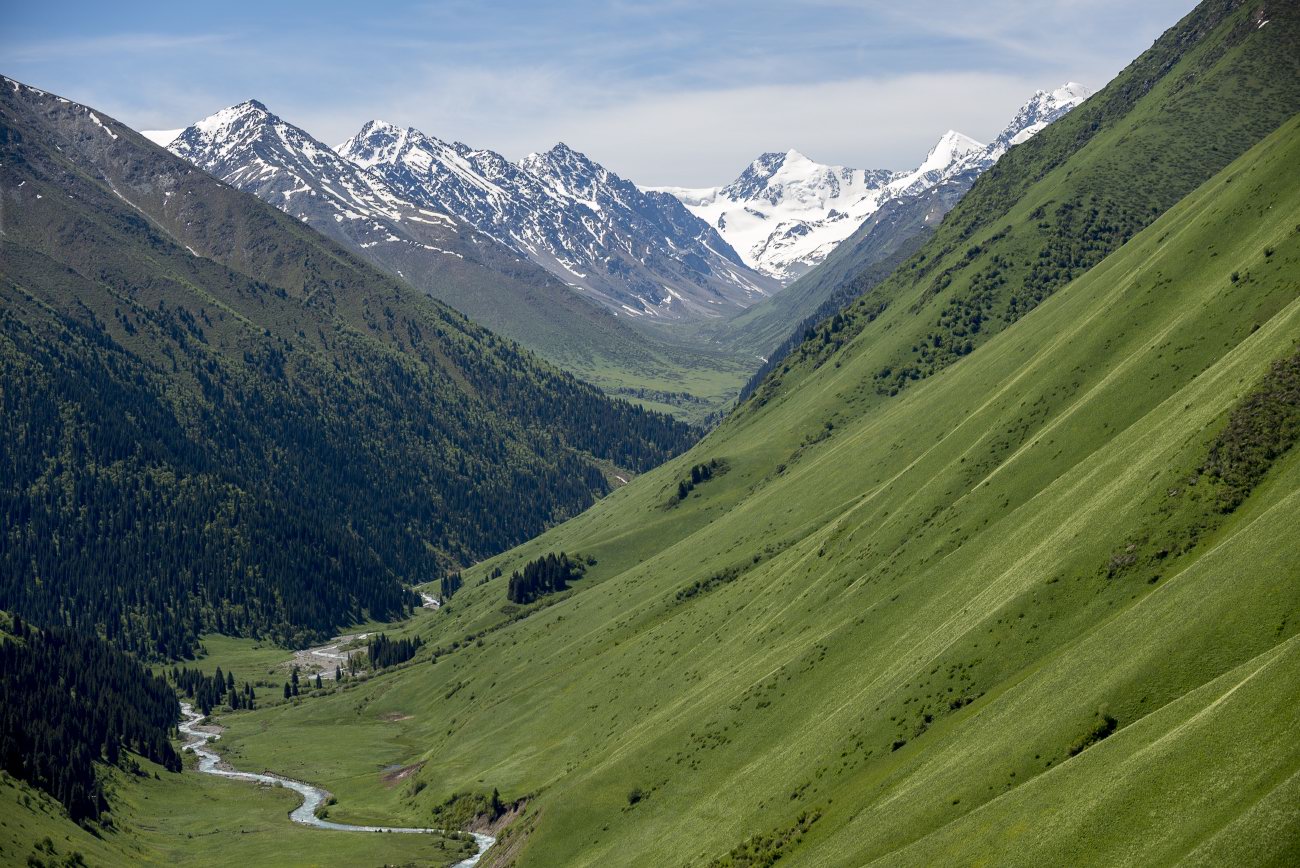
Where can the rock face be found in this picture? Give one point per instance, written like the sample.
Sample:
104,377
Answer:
253,149
250,148
414,203
641,253
786,212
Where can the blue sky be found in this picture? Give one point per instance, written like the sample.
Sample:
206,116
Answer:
662,91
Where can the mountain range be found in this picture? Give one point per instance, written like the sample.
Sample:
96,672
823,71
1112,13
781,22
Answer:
667,252
995,564
641,253
438,249
786,213
623,286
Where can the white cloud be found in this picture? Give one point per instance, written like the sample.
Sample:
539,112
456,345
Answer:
701,137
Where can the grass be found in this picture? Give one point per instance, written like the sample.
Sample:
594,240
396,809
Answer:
905,616
198,819
919,624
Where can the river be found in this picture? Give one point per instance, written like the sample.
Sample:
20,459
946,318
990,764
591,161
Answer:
210,762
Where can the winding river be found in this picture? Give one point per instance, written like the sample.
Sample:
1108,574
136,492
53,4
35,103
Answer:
210,762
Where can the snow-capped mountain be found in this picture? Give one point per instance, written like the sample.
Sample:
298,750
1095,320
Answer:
641,253
786,212
1042,109
249,147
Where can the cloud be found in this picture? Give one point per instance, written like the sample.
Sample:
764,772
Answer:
663,91
109,45
697,137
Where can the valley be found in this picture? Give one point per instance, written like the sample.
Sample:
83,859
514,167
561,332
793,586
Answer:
829,517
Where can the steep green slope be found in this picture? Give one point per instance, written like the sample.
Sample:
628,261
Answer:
864,259
1040,608
215,419
1056,205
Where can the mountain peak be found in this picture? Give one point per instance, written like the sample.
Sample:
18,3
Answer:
375,125
952,146
221,124
1072,90
560,159
1039,111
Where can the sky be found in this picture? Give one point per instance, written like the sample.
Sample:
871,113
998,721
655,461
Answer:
663,92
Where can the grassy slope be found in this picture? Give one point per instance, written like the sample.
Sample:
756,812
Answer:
1051,208
198,819
862,260
951,545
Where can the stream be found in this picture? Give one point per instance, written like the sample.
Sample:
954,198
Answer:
210,762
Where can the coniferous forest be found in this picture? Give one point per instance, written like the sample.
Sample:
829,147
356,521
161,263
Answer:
68,701
546,575
383,651
209,691
185,448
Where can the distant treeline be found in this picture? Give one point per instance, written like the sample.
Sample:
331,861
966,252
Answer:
449,585
68,701
382,651
259,516
209,691
546,575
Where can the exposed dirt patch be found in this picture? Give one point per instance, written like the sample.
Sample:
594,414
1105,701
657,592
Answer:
395,716
511,835
324,659
396,776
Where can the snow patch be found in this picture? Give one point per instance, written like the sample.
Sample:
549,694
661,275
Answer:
162,138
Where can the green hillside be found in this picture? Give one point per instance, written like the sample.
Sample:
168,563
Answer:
1056,205
999,567
864,259
1005,617
1039,607
216,420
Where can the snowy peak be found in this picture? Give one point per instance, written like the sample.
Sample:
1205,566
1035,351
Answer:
643,254
231,121
950,148
374,135
1041,109
786,212
249,147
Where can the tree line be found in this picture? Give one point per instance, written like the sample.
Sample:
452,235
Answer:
546,575
209,691
382,651
69,701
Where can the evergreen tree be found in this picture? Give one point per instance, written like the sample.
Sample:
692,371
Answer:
67,701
